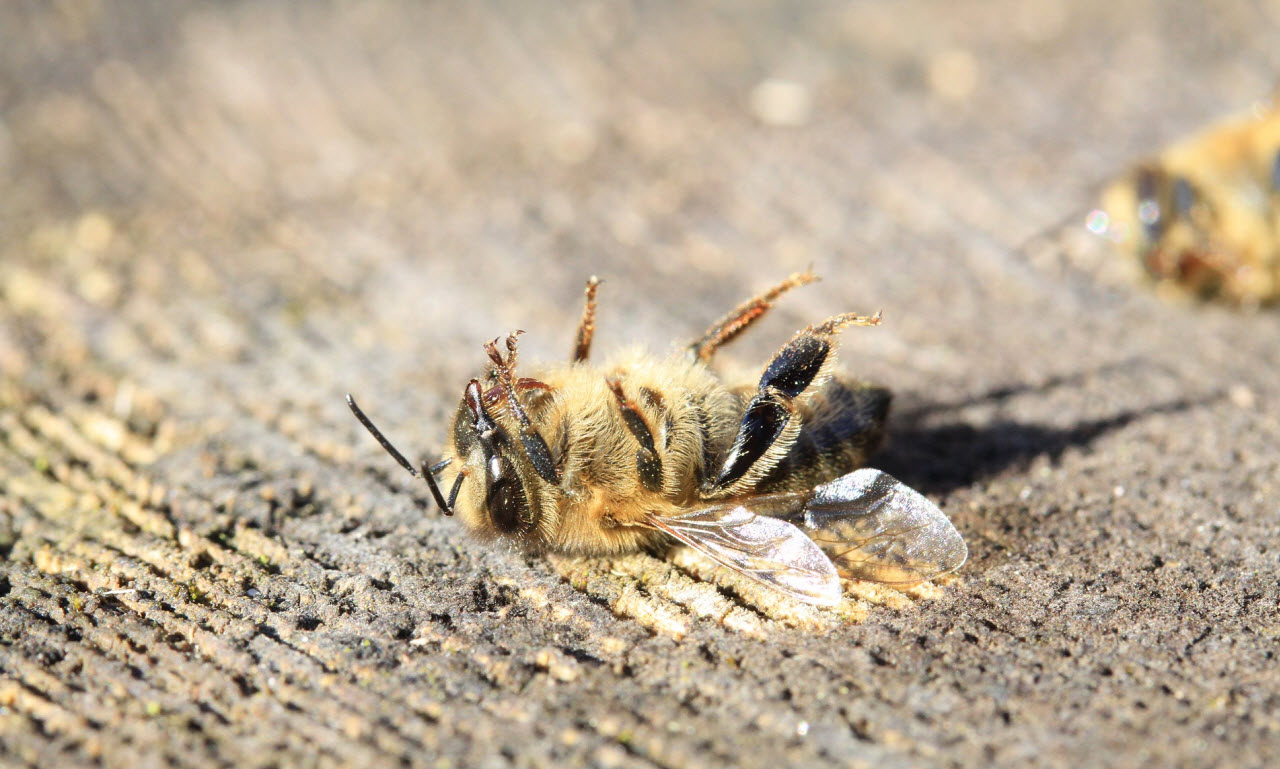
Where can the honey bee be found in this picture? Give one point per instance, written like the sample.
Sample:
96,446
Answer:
587,460
1203,216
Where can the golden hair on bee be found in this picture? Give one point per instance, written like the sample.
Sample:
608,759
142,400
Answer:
645,450
1202,217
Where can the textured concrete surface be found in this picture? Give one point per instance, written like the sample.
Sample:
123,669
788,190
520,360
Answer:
218,218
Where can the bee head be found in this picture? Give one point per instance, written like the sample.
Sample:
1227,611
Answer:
505,469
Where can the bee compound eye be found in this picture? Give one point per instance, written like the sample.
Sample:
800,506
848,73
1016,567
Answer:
505,498
507,506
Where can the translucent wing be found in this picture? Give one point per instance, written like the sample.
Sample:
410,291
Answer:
766,549
875,528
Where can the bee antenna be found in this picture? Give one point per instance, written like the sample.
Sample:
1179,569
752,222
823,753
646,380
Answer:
427,473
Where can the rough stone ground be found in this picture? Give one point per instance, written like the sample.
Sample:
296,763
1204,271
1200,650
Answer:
218,218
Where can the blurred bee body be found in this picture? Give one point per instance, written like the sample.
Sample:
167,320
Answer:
601,460
1203,217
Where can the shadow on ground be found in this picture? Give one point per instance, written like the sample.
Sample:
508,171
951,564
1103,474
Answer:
940,458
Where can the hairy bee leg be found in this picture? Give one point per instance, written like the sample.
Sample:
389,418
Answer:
648,462
769,426
771,421
535,446
587,326
741,317
840,428
523,384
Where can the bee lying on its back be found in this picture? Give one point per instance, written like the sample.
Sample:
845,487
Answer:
595,461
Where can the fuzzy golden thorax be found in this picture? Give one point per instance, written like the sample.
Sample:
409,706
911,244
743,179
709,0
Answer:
599,497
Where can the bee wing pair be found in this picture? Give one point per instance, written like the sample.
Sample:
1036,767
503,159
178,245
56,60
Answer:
864,525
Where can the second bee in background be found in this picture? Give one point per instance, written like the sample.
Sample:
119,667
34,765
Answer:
1202,217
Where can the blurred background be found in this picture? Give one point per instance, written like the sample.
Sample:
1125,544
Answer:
461,169
216,218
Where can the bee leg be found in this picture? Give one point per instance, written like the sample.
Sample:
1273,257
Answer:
587,326
648,462
771,421
739,318
842,426
535,446
524,384
769,426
